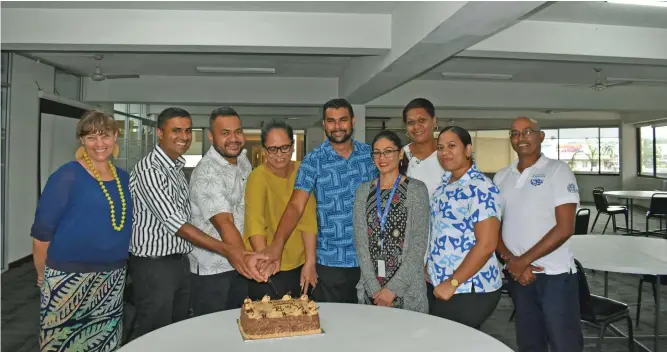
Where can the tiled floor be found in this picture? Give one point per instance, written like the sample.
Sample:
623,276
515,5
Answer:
20,307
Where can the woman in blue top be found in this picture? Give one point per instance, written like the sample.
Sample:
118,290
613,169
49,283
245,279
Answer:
81,237
461,264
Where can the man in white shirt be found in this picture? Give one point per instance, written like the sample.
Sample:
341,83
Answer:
217,188
540,197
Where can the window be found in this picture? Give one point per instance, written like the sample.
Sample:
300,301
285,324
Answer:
550,144
590,150
196,150
579,148
652,143
587,150
5,69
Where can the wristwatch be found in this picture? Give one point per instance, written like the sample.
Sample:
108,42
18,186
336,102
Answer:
454,282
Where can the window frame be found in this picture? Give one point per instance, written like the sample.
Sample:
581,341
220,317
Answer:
639,151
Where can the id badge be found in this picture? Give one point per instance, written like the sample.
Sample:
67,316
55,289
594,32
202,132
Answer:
381,269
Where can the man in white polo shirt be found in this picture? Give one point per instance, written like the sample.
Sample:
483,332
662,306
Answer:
540,197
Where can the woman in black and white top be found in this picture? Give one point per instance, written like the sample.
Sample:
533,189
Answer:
391,225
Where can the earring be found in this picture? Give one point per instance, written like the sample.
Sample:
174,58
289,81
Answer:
79,153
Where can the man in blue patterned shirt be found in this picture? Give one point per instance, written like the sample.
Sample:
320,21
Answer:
333,171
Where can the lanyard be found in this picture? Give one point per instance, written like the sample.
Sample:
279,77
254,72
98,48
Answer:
383,216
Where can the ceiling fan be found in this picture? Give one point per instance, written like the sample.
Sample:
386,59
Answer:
601,82
98,76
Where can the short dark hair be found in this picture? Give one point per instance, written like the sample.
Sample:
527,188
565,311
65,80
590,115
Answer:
337,103
396,140
461,132
418,103
169,113
276,125
221,111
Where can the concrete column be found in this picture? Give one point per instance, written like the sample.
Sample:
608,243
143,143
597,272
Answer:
360,125
628,155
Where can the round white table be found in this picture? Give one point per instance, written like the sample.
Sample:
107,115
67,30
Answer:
624,254
629,197
347,327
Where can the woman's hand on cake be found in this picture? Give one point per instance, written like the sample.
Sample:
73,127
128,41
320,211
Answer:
308,277
384,297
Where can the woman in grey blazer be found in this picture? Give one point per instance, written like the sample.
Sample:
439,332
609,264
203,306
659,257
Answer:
391,226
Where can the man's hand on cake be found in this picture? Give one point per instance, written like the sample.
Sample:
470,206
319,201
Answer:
274,253
384,297
246,263
308,277
254,261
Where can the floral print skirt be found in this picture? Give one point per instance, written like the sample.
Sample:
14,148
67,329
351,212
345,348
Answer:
81,311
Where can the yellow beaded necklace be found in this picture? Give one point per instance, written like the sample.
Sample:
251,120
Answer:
106,193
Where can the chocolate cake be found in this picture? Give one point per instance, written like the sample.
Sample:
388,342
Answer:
279,318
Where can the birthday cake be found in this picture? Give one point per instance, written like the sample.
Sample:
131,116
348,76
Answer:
279,318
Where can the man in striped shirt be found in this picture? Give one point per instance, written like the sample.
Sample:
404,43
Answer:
162,235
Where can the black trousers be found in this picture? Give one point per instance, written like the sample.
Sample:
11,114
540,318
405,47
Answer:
161,291
547,314
471,309
336,284
284,282
218,292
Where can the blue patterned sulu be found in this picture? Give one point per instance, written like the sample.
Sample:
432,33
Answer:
335,180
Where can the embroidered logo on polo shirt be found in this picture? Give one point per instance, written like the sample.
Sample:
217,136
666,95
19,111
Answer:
572,188
537,180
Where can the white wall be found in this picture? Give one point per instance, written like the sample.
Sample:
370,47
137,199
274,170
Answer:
22,161
586,184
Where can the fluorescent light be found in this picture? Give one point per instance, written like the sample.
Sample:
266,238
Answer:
491,76
255,70
639,2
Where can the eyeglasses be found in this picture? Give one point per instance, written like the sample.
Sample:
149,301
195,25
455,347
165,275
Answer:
526,133
283,149
389,153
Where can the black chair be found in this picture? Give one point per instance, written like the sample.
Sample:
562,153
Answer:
601,311
581,221
657,209
652,279
602,206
